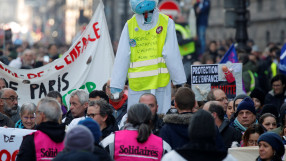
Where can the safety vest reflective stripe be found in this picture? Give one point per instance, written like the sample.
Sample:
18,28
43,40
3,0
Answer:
252,80
148,73
274,69
147,62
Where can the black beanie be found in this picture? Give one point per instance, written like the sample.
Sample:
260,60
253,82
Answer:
259,94
269,108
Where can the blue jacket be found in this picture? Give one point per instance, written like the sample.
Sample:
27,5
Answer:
203,15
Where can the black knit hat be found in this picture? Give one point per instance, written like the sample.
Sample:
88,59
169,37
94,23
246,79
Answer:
259,94
202,126
269,108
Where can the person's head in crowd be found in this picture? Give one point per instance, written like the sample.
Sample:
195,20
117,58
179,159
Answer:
101,112
237,100
252,134
53,49
28,115
48,110
268,121
78,103
184,100
93,127
202,127
57,95
28,58
278,84
213,46
246,114
270,147
207,59
3,83
110,95
9,101
217,112
140,115
151,101
217,94
274,52
257,95
207,104
79,138
269,108
229,109
98,94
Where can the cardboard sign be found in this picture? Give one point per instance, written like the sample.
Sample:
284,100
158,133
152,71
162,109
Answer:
227,77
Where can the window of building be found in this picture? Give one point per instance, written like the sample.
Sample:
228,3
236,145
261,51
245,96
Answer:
267,37
282,36
259,5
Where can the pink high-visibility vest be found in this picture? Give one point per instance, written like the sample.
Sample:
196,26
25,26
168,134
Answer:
46,148
127,148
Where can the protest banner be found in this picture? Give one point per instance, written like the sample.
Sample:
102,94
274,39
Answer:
227,77
246,153
86,65
10,141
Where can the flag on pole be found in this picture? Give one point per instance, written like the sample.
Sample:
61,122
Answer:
282,63
230,56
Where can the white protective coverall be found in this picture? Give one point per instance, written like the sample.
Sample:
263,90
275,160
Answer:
170,53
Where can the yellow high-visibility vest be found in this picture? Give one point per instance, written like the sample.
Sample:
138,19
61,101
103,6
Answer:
188,48
147,69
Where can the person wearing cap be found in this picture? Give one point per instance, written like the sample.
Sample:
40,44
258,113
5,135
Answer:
271,147
148,54
258,95
201,145
48,140
245,115
136,141
237,100
94,127
78,145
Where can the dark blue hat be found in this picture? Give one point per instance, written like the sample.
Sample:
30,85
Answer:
275,141
246,104
93,127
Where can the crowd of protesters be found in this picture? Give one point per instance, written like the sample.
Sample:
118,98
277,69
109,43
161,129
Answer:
98,127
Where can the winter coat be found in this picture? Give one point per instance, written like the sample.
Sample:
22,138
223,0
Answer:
27,149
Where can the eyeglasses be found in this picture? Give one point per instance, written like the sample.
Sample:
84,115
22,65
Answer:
12,99
27,118
92,115
222,99
252,142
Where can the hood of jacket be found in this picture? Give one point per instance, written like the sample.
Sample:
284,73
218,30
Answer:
183,118
54,130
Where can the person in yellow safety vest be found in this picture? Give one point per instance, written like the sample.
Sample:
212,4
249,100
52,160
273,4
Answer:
149,55
186,44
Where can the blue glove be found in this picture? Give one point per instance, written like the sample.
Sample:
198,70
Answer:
115,92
